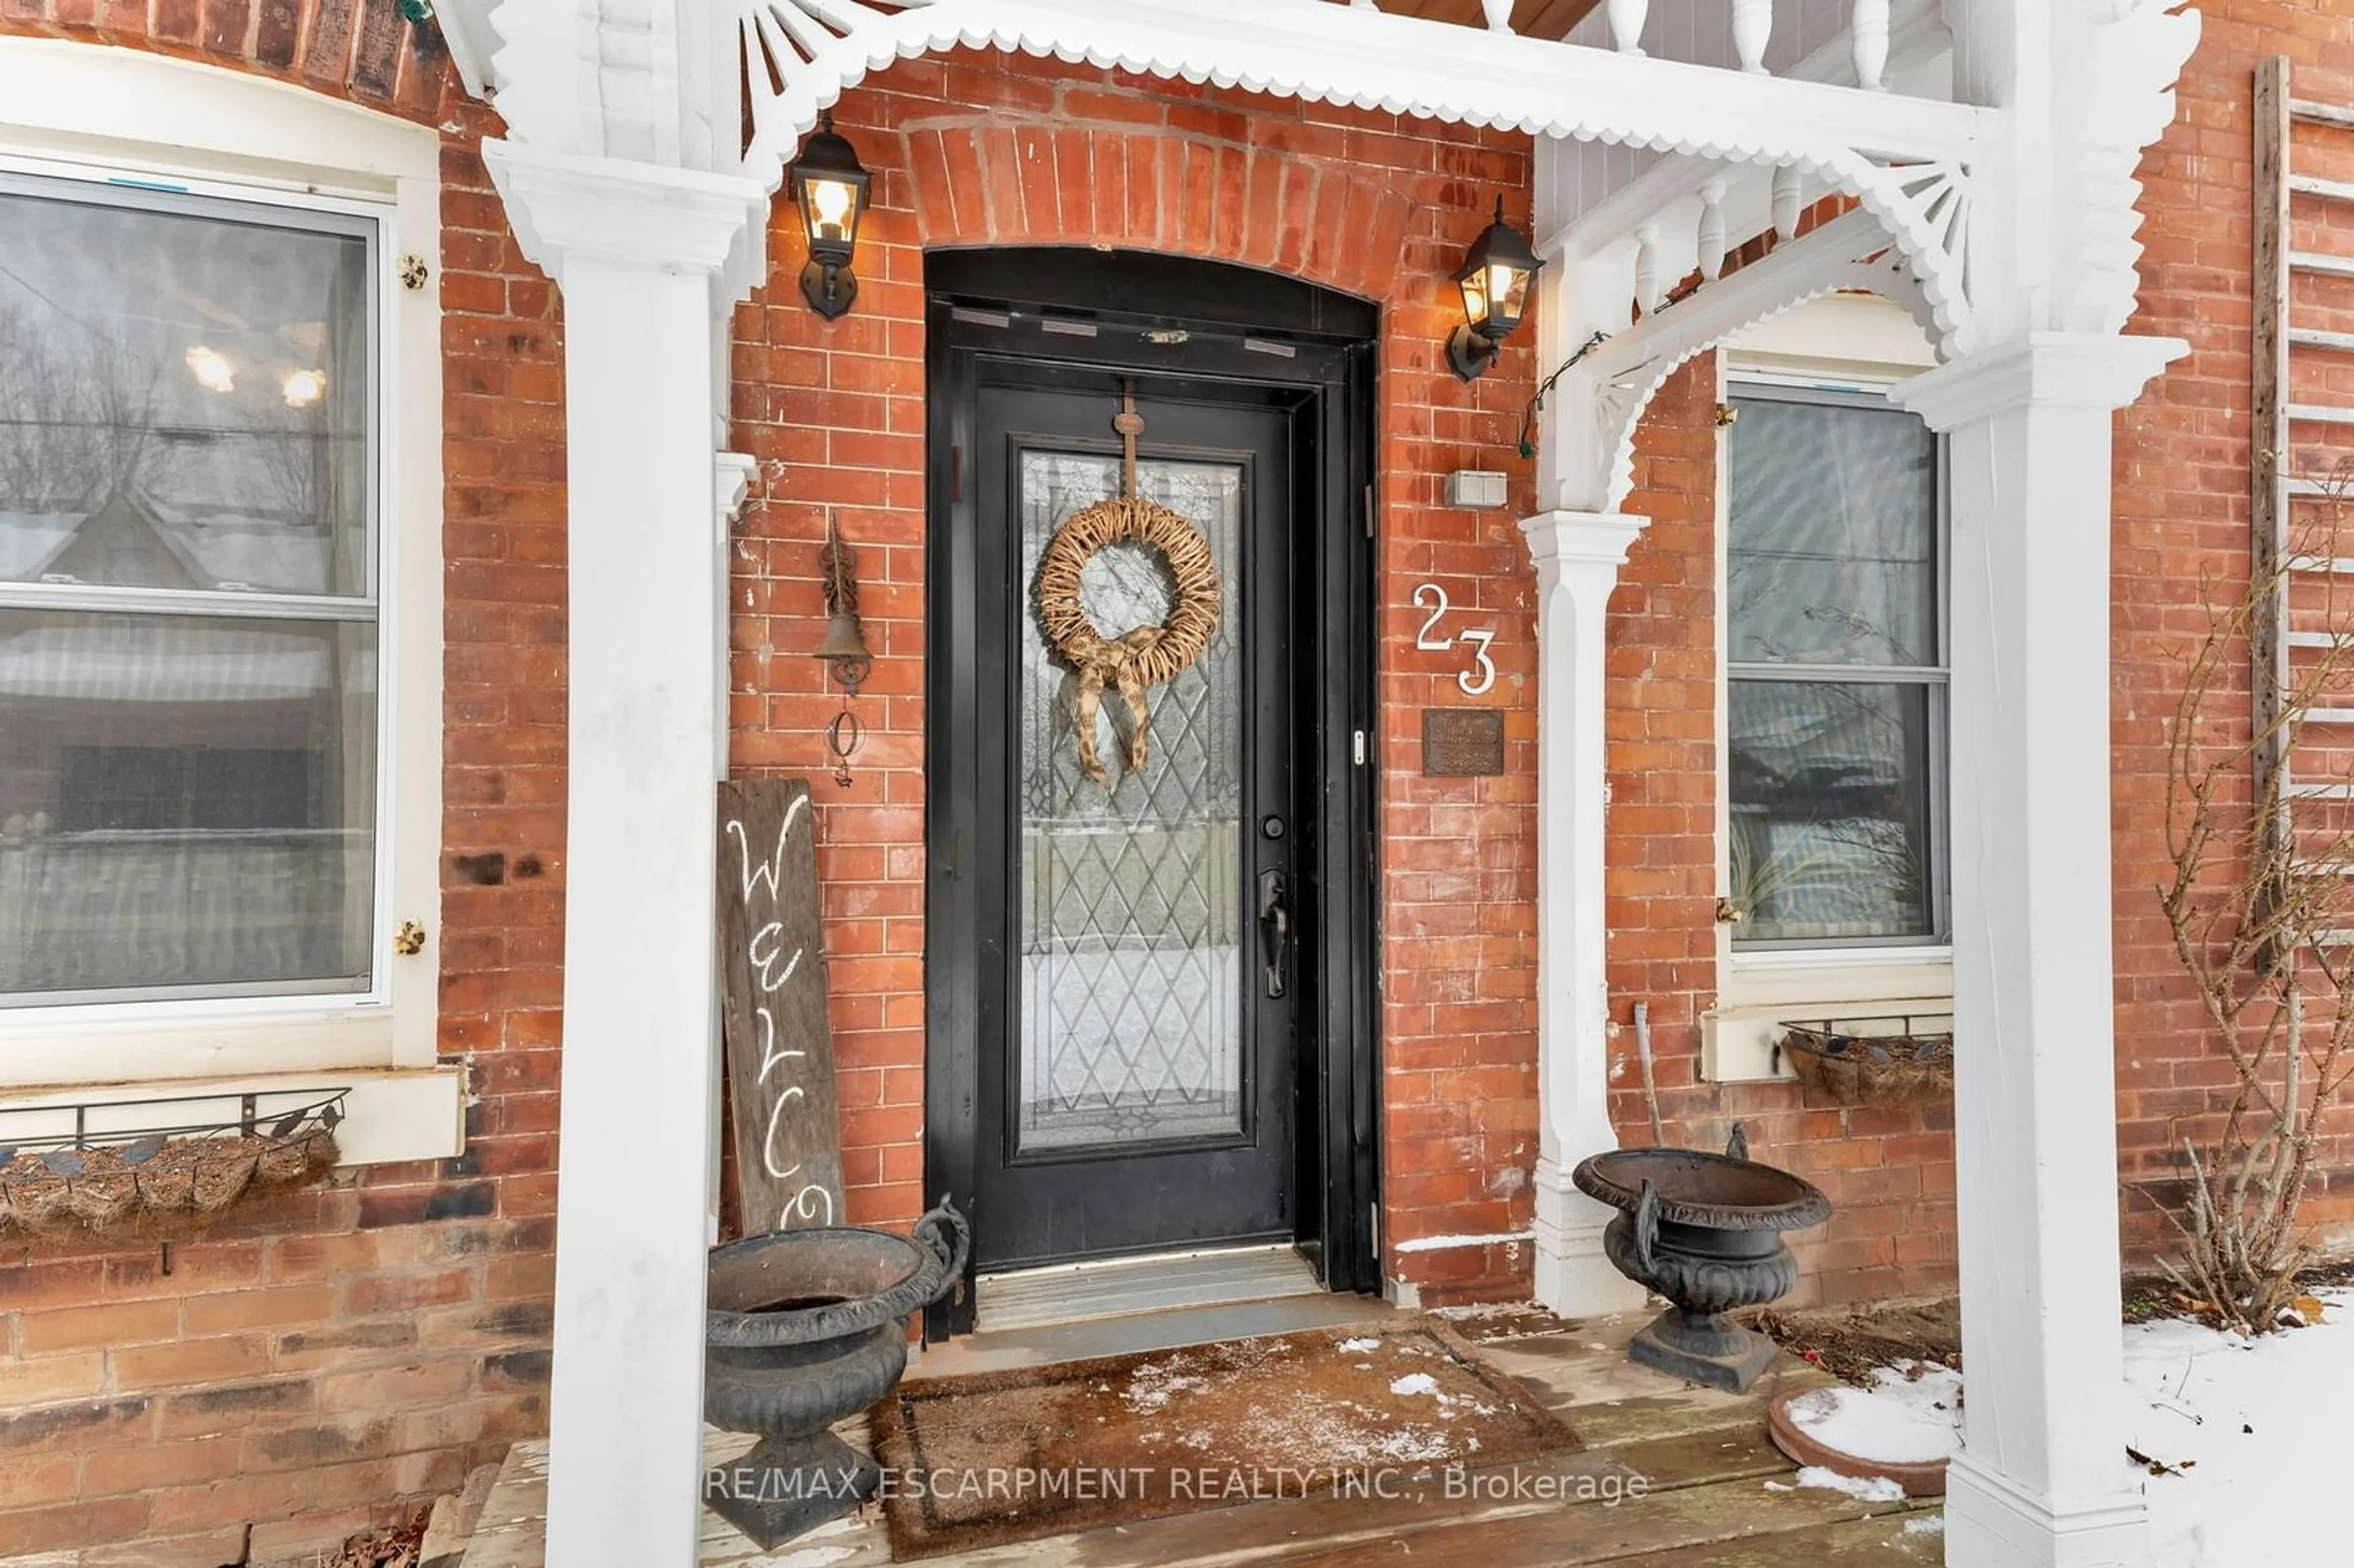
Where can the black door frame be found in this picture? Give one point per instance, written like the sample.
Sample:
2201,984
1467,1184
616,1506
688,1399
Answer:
1160,317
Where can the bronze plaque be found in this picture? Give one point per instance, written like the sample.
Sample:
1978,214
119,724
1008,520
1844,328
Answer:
1462,742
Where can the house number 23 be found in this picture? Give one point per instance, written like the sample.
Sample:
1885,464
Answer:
1482,672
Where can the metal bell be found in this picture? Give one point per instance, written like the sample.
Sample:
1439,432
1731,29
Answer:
844,648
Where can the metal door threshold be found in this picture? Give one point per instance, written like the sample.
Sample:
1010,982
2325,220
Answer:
1118,1286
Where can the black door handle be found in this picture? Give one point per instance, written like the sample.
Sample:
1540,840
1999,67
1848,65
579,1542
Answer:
1275,924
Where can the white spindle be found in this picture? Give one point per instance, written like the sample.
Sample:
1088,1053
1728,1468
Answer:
1753,29
1647,267
1868,30
1787,191
1499,14
1711,230
1627,18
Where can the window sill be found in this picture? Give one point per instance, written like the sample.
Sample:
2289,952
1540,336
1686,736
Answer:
1763,990
392,1115
142,1044
1809,978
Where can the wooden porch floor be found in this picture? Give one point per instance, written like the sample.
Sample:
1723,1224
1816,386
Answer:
1703,1458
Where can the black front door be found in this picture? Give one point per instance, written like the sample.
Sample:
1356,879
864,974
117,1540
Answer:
1149,1012
1138,1059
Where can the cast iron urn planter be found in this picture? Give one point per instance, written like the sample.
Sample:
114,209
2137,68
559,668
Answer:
1705,1232
805,1328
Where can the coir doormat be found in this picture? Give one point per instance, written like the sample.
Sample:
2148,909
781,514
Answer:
975,1461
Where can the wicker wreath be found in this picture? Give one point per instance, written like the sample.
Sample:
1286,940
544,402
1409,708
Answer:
1148,656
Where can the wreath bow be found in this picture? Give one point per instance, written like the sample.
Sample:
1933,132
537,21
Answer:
1116,661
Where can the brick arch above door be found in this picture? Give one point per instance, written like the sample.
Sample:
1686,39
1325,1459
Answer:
1142,188
366,55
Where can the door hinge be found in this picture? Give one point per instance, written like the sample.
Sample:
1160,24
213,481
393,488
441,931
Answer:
1374,1224
956,474
1361,749
1369,512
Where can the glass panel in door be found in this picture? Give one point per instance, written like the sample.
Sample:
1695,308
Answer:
1131,1011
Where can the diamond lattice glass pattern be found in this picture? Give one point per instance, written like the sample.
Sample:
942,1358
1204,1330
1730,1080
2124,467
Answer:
1131,958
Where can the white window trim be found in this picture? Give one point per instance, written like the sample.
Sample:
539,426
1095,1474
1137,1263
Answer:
1848,343
87,107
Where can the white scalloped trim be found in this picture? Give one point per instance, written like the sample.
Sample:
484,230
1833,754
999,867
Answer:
867,38
819,47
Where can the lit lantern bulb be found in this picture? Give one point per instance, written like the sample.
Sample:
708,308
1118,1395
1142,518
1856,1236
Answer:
1501,279
303,387
833,200
211,370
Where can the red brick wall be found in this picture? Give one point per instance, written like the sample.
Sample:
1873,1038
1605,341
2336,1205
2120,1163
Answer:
304,1371
980,148
2181,545
359,49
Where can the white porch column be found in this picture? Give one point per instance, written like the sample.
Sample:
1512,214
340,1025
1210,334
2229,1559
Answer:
2042,1481
643,256
1577,556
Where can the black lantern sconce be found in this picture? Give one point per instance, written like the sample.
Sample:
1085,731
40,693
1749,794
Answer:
1495,278
844,648
830,186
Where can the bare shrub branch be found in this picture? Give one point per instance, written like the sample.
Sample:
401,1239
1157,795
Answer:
2259,905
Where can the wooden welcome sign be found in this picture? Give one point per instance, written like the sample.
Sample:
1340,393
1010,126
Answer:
772,1005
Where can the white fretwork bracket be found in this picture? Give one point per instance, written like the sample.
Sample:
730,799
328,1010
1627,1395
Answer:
1602,400
2122,104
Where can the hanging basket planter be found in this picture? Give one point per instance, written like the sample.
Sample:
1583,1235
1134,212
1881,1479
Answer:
166,1179
1900,1061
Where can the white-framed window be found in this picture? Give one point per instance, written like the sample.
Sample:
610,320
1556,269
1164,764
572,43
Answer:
1831,735
189,621
220,601
1836,670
